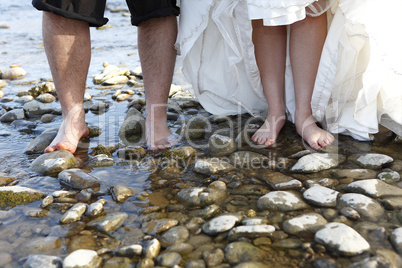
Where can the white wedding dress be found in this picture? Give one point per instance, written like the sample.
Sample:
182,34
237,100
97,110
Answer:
359,81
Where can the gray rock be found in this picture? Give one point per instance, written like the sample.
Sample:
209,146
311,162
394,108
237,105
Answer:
13,73
396,239
24,99
350,213
175,235
47,118
121,193
78,179
248,159
365,206
82,258
389,176
238,252
158,226
212,166
342,239
373,262
46,98
67,230
321,196
317,162
220,145
10,116
99,108
356,173
209,211
282,201
214,257
129,251
152,249
200,196
374,188
168,259
132,128
54,162
39,144
372,161
74,213
47,201
181,248
279,181
38,108
220,224
250,231
191,195
195,264
43,261
304,224
100,160
108,223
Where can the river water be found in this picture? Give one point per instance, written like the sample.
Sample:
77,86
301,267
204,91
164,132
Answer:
21,44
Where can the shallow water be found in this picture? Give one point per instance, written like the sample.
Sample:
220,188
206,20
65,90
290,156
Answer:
21,44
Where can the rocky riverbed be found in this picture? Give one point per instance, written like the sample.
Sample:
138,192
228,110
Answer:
214,200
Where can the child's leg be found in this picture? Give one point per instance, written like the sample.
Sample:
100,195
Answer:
270,53
307,38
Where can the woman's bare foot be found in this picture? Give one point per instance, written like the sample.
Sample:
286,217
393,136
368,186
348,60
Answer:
269,131
316,137
72,129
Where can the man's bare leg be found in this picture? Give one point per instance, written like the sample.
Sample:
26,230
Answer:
156,39
68,49
270,53
307,38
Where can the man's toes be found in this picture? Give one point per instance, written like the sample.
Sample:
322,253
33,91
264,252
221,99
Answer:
49,149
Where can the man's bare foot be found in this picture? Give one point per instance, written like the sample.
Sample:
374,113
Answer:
158,135
316,137
269,131
69,134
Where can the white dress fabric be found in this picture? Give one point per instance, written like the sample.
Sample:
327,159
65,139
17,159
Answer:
359,77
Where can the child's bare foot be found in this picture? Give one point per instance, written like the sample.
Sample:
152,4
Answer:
316,137
269,131
72,129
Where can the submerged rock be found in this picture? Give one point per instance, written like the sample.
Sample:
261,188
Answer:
100,160
282,201
39,144
374,188
250,231
372,161
341,239
221,224
367,207
238,252
82,258
108,223
121,193
45,261
220,145
321,196
133,127
212,166
78,179
304,224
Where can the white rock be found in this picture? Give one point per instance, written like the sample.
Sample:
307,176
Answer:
317,162
366,206
282,201
372,160
220,224
13,73
396,239
321,196
74,213
152,249
342,238
82,258
251,231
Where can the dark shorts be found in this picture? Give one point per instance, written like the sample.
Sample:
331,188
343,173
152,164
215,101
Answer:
92,11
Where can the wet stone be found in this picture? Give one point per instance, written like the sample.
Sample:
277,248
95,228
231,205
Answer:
341,239
118,262
317,162
174,235
100,160
117,80
96,208
24,99
365,206
74,213
78,179
220,145
99,108
238,252
47,118
374,188
44,261
191,195
304,224
54,162
46,98
108,223
392,203
10,116
132,126
13,73
221,224
350,213
210,211
152,249
129,251
321,196
212,166
389,176
279,181
38,108
82,258
67,230
250,231
195,264
39,144
18,195
168,259
121,193
158,226
372,161
288,243
357,173
181,248
109,72
282,201
214,257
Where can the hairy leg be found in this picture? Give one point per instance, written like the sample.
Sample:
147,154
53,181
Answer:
270,53
68,50
307,38
156,39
